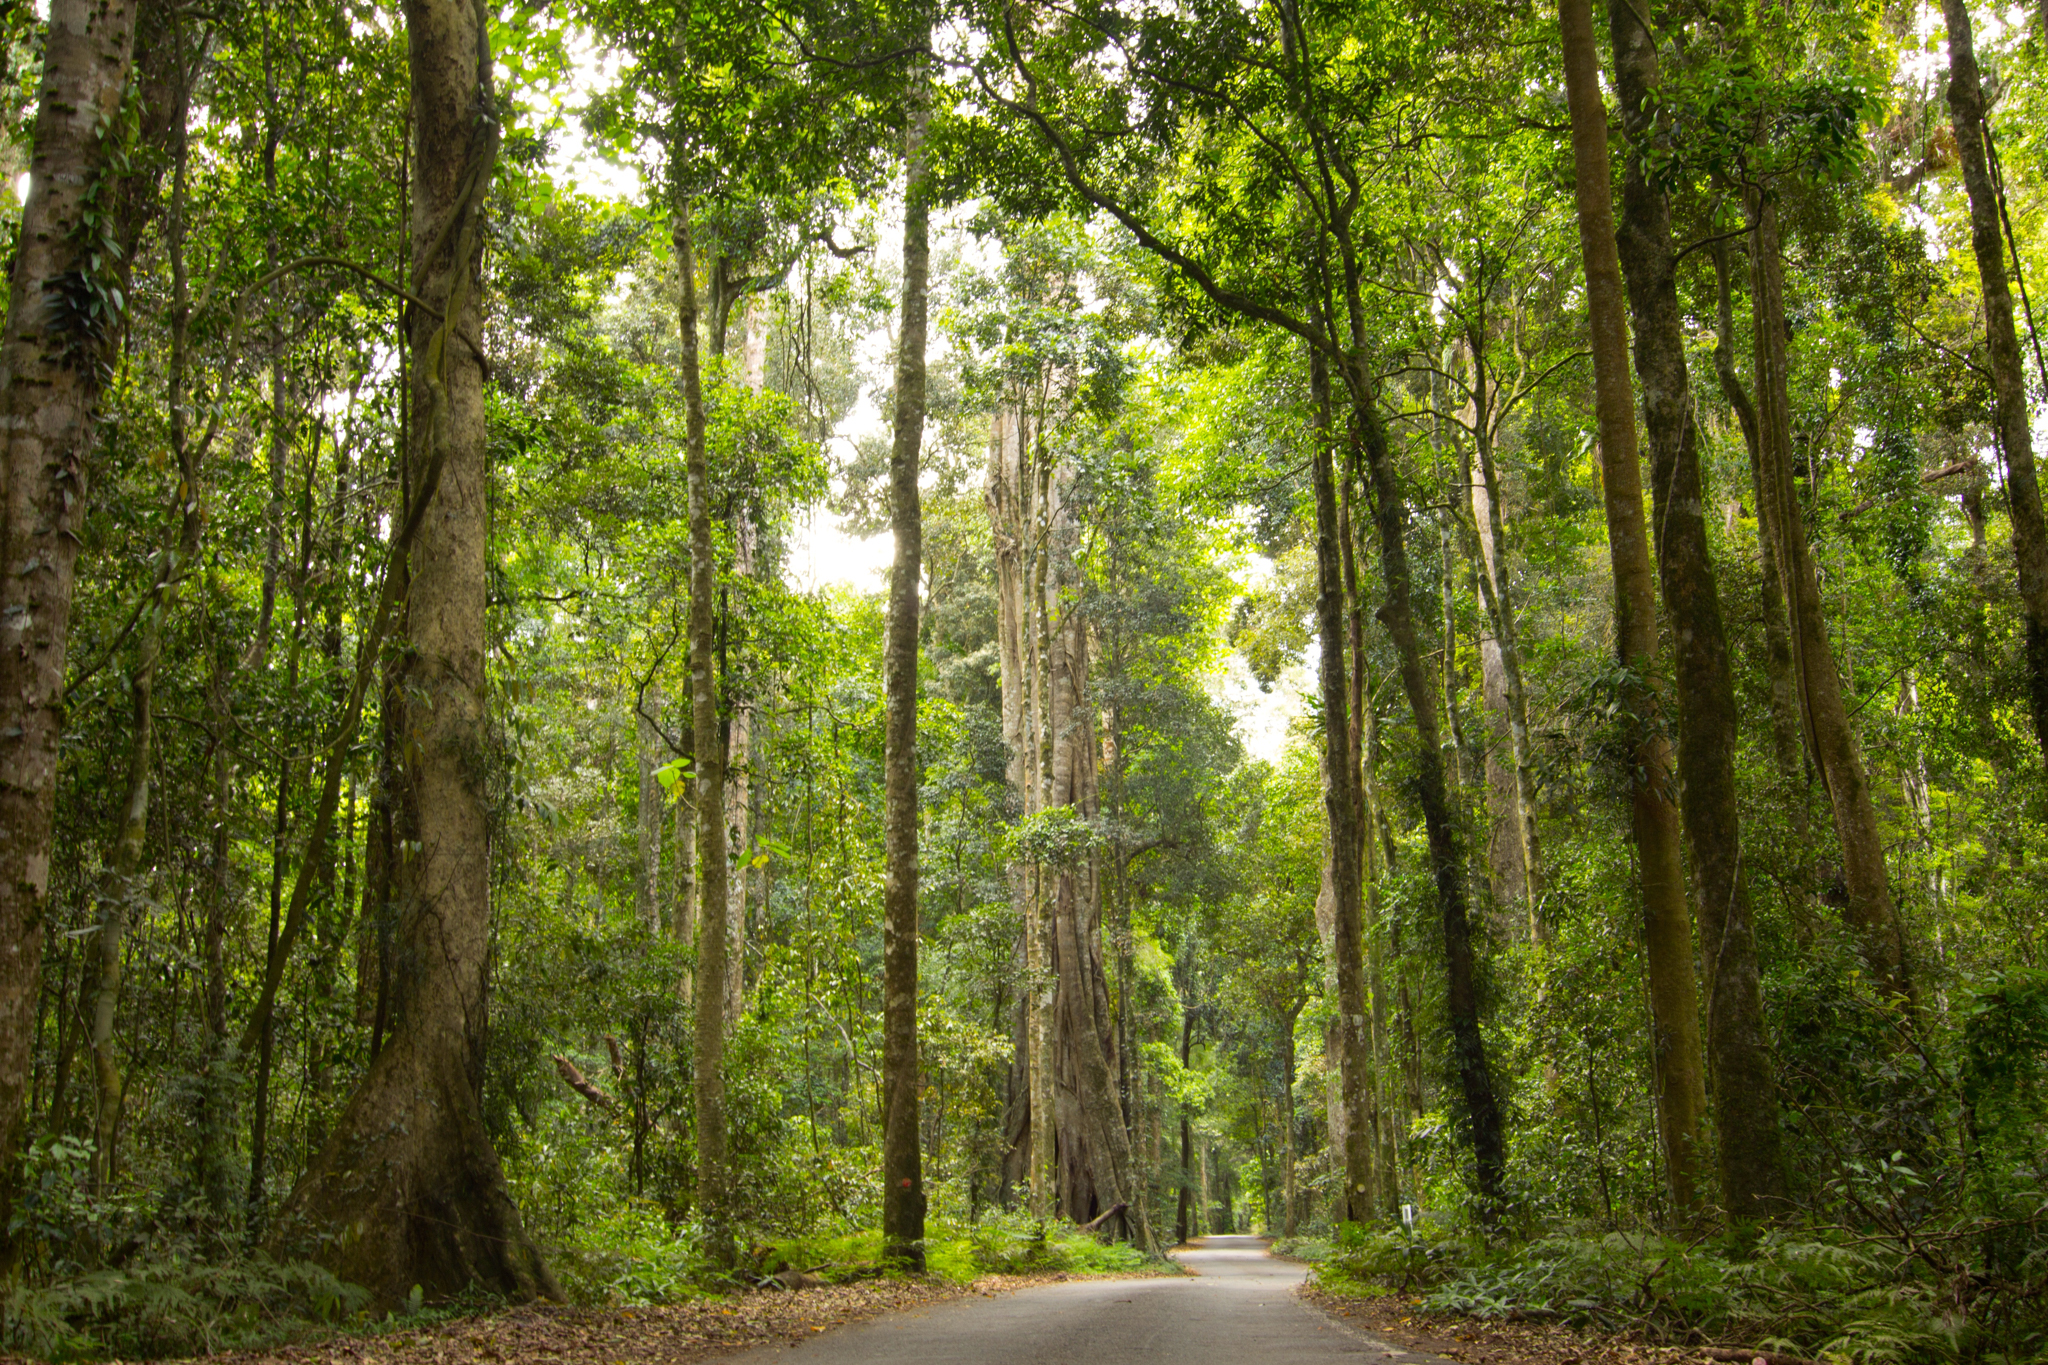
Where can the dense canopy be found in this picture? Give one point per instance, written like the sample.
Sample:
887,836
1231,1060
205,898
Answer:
642,643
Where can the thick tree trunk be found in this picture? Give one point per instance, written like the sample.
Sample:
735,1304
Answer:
903,1198
1095,1170
2008,370
407,1190
1014,513
1667,920
1340,811
1745,1083
714,1177
52,365
1872,914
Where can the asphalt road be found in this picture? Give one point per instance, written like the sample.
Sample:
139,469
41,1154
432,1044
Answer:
1238,1308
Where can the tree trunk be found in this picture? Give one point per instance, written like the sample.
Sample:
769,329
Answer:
1787,734
1340,811
53,357
1514,858
648,822
2008,371
1745,1083
1184,1225
1872,915
407,1190
1015,509
903,1198
1667,921
714,1177
1095,1172
1446,845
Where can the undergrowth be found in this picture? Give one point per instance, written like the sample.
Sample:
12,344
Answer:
1834,1295
173,1307
633,1257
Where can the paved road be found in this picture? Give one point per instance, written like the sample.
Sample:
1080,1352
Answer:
1238,1308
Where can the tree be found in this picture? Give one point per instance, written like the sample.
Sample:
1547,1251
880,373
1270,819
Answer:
2008,371
63,318
411,1147
1745,1088
903,1201
1667,919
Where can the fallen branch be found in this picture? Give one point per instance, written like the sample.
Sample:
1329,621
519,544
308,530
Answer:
1099,1219
582,1084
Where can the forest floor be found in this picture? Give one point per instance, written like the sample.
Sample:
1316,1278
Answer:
549,1334
1399,1320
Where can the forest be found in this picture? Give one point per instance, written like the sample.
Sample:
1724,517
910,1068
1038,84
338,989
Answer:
647,639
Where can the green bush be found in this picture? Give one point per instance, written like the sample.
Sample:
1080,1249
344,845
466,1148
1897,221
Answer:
174,1307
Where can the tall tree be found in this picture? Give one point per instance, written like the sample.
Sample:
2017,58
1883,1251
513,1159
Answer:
714,1177
407,1190
1341,801
1653,811
63,317
2008,371
903,1200
1745,1088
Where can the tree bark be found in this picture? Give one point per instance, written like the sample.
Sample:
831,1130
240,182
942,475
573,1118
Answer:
1787,734
714,1176
1095,1170
903,1199
2008,370
1340,811
1016,509
1745,1083
1667,921
1516,860
648,821
1446,845
1872,914
53,357
407,1190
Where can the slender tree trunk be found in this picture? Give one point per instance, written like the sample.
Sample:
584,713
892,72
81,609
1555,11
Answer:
1340,811
1184,1225
2008,370
1872,915
1787,734
1745,1082
714,1176
1501,661
682,923
1667,920
1446,845
407,1190
52,366
902,1169
648,822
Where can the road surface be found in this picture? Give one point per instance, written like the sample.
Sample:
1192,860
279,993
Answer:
1238,1308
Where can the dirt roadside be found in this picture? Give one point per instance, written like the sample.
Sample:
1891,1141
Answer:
548,1334
1399,1320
